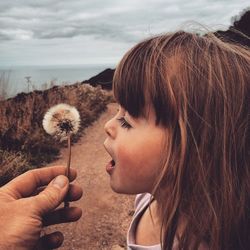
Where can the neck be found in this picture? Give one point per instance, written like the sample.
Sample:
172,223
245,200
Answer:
158,213
149,227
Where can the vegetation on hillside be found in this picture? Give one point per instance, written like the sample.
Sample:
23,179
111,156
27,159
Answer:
23,142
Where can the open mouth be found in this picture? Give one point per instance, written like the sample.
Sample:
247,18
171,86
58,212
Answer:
110,166
113,163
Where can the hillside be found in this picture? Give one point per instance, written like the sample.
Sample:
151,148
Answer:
21,123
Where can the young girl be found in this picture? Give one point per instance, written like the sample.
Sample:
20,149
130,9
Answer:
180,140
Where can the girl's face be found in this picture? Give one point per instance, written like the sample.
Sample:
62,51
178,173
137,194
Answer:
135,146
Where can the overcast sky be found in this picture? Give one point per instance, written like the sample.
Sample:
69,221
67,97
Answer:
49,32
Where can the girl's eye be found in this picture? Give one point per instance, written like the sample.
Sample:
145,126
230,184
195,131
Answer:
124,123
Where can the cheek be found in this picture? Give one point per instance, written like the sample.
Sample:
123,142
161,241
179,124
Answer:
125,156
138,162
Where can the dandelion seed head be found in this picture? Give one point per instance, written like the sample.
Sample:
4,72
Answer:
61,120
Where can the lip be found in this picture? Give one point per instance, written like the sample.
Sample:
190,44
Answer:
109,166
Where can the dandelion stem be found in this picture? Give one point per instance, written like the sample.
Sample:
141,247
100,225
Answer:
66,203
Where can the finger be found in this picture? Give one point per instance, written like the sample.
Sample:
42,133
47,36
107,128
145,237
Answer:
51,197
74,193
62,215
50,241
25,184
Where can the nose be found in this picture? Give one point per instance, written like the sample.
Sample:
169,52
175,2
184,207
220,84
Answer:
109,128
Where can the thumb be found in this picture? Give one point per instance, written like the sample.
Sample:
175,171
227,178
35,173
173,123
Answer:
52,195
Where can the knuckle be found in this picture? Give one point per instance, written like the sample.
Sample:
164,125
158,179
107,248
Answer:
53,194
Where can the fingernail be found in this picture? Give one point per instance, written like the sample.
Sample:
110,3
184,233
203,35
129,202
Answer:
60,181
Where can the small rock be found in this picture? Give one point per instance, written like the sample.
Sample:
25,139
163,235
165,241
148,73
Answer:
104,243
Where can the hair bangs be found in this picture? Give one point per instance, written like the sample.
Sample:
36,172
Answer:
140,82
129,83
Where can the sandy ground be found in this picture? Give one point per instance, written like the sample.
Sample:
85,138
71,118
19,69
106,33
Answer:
106,215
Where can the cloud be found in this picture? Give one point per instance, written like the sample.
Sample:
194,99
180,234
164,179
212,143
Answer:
108,19
16,34
114,22
48,22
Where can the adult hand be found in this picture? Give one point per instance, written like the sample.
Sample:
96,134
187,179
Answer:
29,202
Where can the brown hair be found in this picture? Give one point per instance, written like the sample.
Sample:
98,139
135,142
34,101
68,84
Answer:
199,87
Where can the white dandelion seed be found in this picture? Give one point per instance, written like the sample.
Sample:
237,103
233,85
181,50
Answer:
62,121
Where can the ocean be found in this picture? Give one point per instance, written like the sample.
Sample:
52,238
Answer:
18,79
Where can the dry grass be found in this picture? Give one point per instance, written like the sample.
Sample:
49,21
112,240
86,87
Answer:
12,164
21,124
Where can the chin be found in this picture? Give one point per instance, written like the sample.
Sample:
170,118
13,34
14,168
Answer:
123,190
119,190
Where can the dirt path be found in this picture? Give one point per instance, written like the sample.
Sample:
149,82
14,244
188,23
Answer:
106,215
